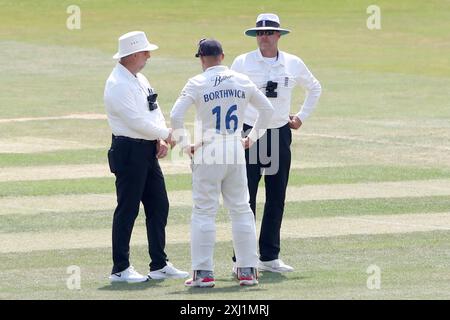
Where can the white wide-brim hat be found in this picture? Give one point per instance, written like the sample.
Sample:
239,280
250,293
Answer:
132,42
266,21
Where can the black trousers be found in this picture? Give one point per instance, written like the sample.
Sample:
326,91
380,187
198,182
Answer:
275,146
138,179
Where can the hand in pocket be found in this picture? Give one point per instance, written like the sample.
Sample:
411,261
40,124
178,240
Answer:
111,161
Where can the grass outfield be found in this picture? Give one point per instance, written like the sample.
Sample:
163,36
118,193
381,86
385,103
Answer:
371,166
180,215
331,268
298,177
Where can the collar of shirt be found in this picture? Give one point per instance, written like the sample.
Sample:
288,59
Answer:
138,80
124,72
280,60
217,68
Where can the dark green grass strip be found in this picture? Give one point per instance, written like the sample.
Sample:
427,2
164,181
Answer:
356,174
63,157
298,177
58,221
79,186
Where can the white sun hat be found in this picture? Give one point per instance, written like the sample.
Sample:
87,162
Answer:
266,21
132,42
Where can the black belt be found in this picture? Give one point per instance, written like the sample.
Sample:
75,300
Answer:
133,139
283,126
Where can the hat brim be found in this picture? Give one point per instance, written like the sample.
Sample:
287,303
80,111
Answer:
150,47
252,31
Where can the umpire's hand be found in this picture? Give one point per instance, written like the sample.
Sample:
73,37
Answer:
294,122
161,149
170,139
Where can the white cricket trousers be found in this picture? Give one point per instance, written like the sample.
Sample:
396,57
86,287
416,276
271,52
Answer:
208,182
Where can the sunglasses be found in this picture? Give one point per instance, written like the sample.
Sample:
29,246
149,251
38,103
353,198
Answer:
265,32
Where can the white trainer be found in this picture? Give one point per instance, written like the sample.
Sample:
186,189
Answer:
169,271
128,275
247,276
201,279
234,269
276,265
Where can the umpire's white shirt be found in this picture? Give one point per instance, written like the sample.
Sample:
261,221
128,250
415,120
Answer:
127,107
288,71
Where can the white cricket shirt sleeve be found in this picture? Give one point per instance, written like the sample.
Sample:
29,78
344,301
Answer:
183,103
121,101
313,89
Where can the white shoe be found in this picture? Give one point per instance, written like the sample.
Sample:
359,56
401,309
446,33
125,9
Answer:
128,275
276,265
169,271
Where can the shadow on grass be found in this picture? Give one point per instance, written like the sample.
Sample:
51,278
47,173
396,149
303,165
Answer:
217,289
229,285
123,286
223,285
272,277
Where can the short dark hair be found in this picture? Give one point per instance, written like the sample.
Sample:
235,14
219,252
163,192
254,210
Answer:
209,47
